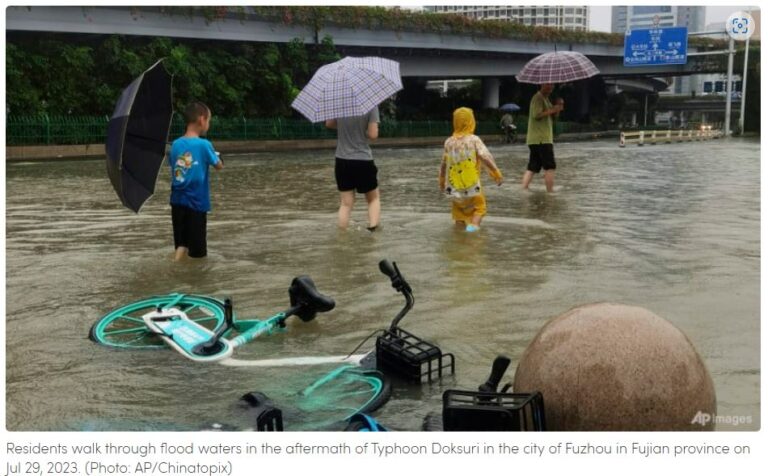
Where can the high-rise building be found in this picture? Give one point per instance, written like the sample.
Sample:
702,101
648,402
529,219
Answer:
563,17
692,17
718,26
625,18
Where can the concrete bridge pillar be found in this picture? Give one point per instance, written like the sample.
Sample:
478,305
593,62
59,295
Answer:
491,87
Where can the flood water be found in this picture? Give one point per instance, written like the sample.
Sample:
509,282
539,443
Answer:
673,228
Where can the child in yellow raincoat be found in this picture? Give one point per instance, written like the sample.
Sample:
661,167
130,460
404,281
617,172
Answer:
460,171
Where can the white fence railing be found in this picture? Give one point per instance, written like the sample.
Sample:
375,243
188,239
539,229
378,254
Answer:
669,136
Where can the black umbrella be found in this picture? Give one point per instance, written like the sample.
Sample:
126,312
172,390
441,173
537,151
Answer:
137,135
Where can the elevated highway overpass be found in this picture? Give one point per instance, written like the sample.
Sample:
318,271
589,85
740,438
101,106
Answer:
421,54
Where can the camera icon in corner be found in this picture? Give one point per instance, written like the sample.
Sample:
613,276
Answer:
740,26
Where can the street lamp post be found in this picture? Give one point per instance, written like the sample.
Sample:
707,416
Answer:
743,88
729,89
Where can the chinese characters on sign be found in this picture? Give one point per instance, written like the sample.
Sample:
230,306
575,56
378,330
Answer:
656,46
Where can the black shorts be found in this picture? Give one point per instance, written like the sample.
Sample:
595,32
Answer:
189,230
357,175
542,157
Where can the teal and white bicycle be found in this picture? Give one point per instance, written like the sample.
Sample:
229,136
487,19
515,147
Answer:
205,329
201,328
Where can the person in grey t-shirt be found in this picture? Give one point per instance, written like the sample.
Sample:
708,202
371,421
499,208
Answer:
355,169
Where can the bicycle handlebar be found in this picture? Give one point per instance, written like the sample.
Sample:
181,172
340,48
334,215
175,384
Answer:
391,270
388,269
500,365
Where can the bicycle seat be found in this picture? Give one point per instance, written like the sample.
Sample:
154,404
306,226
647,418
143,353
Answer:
304,294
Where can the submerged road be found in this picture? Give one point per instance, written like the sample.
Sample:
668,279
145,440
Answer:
674,228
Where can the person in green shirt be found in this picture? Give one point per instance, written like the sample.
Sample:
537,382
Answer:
539,137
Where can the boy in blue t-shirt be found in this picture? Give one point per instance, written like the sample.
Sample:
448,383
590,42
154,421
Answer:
190,195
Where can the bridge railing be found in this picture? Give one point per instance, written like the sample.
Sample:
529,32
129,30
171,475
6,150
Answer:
65,130
651,137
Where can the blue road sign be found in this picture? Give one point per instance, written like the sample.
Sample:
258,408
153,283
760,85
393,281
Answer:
656,46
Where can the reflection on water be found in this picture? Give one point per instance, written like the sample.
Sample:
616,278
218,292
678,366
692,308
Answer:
674,228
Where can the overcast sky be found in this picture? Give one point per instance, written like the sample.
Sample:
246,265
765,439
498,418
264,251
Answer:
600,17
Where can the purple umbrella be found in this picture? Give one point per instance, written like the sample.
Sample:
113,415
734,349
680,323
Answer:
557,67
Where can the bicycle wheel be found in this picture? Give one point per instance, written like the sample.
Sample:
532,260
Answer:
125,328
340,394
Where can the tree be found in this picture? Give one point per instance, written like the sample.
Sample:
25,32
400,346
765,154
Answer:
61,74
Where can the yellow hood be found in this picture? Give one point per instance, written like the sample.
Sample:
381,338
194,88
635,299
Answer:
463,122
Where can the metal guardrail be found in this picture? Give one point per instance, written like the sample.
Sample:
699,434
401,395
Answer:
47,130
668,136
65,130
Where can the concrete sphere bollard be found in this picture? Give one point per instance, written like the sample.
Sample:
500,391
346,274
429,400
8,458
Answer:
611,367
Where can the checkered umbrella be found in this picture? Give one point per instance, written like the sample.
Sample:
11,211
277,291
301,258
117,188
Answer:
557,67
347,88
